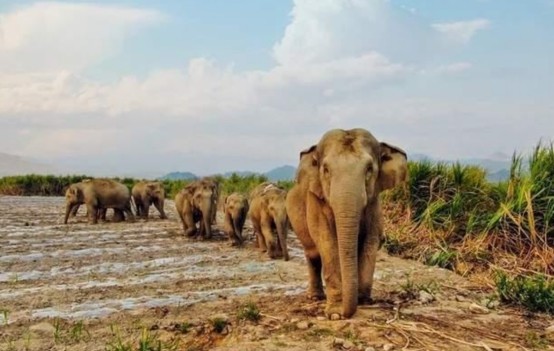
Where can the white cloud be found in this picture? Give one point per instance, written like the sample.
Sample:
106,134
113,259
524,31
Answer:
461,31
53,36
340,63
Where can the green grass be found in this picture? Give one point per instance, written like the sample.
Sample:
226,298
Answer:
535,292
250,312
219,324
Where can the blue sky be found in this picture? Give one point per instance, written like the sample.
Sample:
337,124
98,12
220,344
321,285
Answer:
147,87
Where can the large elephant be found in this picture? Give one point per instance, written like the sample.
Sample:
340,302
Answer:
335,211
269,215
98,195
236,210
196,203
147,193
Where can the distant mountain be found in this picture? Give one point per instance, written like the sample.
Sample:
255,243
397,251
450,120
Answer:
281,173
498,176
17,165
179,176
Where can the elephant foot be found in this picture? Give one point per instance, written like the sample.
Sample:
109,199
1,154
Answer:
333,311
316,295
364,299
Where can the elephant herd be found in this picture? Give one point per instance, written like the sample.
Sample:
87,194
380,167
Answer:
333,207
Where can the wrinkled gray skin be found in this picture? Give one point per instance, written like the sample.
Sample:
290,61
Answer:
98,194
269,217
236,210
336,214
146,194
196,203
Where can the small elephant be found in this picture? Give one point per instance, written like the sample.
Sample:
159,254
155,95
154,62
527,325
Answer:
149,193
236,210
97,195
196,203
268,215
335,211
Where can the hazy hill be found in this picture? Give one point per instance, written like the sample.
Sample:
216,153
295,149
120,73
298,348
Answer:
281,173
17,165
497,165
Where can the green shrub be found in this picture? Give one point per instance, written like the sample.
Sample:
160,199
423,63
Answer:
535,292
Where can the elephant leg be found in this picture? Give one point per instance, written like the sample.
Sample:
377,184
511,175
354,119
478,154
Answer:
268,237
92,213
129,212
118,215
366,264
189,225
327,246
145,209
260,241
159,204
74,210
315,285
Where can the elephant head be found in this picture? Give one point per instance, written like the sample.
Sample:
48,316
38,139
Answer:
73,198
155,190
351,168
205,200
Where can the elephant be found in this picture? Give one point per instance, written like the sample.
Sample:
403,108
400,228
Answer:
268,215
196,204
236,210
335,211
98,195
147,193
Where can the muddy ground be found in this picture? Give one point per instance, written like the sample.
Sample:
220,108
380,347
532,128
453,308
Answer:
107,286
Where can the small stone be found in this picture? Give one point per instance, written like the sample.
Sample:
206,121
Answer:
338,342
295,320
321,318
369,349
425,297
388,347
348,345
460,298
303,325
478,309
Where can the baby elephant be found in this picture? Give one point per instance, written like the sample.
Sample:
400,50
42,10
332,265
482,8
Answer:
268,215
236,209
149,193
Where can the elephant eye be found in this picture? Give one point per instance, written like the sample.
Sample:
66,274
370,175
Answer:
325,169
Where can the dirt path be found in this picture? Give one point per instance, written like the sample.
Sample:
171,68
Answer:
83,287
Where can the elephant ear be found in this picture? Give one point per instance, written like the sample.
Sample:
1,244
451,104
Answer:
315,184
394,167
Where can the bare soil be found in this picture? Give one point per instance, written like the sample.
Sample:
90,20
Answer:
97,287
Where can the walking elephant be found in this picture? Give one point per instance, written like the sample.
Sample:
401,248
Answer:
149,193
98,195
269,216
335,211
196,203
236,210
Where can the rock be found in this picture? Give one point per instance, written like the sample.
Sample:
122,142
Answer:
369,349
490,303
338,342
303,325
388,347
43,327
321,318
349,345
295,320
460,298
478,309
425,297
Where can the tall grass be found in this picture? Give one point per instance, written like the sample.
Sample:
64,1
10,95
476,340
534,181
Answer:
459,220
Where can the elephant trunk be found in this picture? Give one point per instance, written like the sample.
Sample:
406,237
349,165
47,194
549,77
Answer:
347,206
207,208
68,208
